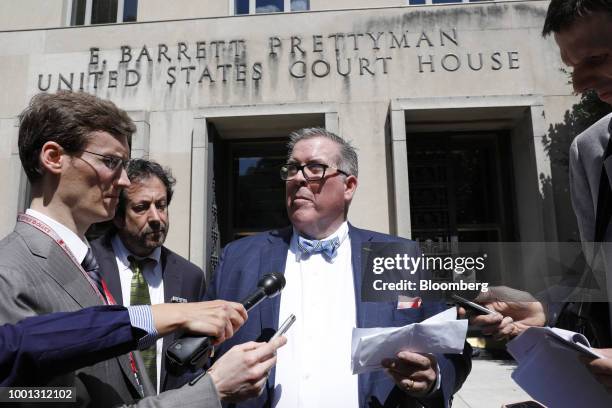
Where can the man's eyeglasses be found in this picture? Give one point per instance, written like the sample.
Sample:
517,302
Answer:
111,162
311,171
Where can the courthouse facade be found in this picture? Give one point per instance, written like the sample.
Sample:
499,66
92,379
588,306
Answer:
450,105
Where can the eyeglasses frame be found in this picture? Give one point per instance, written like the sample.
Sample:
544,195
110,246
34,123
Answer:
121,162
303,166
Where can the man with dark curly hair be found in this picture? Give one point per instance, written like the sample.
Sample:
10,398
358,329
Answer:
136,265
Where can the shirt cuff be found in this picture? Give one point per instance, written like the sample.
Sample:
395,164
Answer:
436,386
141,317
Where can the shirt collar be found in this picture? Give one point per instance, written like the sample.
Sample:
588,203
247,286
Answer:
341,233
77,246
122,252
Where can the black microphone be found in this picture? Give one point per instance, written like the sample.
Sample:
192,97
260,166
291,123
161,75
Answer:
193,351
268,286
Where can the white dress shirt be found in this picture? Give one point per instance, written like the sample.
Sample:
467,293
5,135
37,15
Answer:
314,368
76,245
152,273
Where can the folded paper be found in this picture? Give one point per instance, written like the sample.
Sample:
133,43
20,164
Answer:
441,333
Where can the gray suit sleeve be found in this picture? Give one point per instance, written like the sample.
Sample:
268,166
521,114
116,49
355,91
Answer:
581,194
202,394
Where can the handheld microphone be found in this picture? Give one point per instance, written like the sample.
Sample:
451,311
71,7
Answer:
193,351
268,286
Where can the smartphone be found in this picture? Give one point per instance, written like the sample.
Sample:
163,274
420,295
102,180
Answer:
471,306
284,327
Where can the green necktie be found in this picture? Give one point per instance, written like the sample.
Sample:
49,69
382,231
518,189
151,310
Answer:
139,295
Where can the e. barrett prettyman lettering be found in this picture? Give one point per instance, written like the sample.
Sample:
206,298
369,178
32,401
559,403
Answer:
220,62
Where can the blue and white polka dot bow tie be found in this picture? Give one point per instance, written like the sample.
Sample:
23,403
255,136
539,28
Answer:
328,247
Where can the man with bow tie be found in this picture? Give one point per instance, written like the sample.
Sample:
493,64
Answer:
320,255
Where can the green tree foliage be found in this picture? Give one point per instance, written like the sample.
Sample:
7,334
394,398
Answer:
560,135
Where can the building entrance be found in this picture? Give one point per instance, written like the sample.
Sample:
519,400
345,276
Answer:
461,187
248,151
248,183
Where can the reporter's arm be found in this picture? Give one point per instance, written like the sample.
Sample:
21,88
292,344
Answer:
40,347
241,373
516,311
601,368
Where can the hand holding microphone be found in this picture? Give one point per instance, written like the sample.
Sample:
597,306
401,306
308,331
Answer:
218,318
193,351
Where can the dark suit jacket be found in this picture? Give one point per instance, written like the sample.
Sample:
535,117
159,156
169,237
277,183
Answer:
41,347
243,263
181,278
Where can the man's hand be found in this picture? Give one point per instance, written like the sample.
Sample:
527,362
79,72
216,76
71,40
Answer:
601,368
241,373
413,373
516,311
218,319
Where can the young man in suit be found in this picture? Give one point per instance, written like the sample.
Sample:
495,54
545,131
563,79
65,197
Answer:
582,29
133,253
73,148
320,255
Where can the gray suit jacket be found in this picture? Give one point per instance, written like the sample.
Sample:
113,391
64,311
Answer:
586,158
586,154
37,277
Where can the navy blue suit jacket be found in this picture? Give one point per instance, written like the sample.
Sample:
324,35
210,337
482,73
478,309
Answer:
41,347
245,261
181,278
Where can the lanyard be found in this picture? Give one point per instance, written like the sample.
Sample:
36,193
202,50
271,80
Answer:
48,231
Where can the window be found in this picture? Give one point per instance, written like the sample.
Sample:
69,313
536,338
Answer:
86,12
268,6
249,189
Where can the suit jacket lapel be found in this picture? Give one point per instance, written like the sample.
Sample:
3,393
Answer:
358,237
108,269
59,266
173,280
273,259
367,312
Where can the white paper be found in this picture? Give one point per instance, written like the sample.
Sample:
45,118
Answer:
550,372
441,333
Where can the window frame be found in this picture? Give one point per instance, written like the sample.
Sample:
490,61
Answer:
431,2
253,7
88,10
